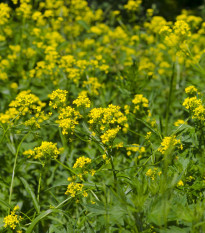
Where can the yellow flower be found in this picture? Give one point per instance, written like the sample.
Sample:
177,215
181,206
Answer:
12,220
135,148
109,135
148,135
93,85
4,13
152,173
133,5
141,103
73,188
82,100
180,183
180,122
68,119
168,142
81,162
191,90
46,150
58,98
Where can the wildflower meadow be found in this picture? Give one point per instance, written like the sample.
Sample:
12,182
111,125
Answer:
102,119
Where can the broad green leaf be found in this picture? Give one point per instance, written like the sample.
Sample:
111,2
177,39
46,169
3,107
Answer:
29,190
39,218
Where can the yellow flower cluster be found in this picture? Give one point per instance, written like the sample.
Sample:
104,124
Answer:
81,162
9,115
148,135
58,98
106,116
180,183
152,173
68,119
25,9
109,135
108,120
141,103
93,85
133,5
47,150
180,122
150,12
177,37
4,13
74,188
191,90
155,25
106,159
135,148
169,142
82,100
12,220
194,105
25,104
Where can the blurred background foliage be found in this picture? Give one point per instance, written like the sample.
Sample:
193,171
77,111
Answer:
166,8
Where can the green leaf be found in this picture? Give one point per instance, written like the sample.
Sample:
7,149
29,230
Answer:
39,218
83,24
29,190
4,203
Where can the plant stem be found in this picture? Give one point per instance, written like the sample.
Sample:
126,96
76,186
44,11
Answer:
113,168
39,184
63,165
14,168
169,99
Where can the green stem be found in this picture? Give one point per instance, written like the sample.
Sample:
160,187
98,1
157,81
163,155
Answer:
66,167
169,99
14,168
113,168
39,185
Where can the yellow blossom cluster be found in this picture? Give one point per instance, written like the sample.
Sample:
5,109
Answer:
106,159
26,102
180,183
152,173
141,103
81,162
12,220
109,115
93,85
135,148
47,150
25,105
108,120
194,105
58,98
148,135
191,90
74,188
178,36
4,13
68,119
109,135
82,100
133,5
169,142
180,122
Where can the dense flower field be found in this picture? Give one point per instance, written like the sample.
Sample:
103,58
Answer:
101,119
